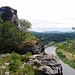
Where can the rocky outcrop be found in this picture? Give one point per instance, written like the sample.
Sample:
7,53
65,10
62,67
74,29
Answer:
34,49
38,48
8,13
42,64
48,64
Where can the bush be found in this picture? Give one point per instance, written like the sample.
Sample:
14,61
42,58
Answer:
26,57
28,69
15,62
10,36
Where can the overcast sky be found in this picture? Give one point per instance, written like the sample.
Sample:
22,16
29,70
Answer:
45,15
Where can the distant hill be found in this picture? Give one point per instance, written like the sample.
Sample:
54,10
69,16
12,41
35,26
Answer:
52,32
55,36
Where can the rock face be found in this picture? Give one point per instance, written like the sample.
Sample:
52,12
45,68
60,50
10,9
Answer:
48,64
8,13
35,49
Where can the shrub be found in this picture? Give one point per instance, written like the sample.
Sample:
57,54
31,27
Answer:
26,57
28,69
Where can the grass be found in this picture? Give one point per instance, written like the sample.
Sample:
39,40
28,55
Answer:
66,57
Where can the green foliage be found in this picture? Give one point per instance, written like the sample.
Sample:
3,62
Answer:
68,46
64,58
15,62
27,37
1,62
1,21
29,40
29,69
26,57
17,67
56,37
24,26
13,66
28,54
9,36
51,44
14,39
14,56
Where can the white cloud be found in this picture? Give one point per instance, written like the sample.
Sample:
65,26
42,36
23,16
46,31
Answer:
53,13
52,24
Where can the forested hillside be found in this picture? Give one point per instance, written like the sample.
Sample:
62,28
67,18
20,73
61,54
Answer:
56,37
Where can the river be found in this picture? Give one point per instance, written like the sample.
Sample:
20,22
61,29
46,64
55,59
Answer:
67,70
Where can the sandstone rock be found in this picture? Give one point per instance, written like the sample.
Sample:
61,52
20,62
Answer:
48,64
8,13
38,48
4,55
35,49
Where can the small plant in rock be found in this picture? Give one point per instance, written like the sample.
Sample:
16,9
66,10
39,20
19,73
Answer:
26,57
28,70
14,62
37,64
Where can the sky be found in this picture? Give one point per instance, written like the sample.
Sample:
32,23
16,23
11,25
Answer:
45,15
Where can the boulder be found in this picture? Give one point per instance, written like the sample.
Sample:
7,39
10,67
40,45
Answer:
48,64
8,13
36,49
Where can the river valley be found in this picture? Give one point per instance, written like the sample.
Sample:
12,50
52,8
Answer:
67,70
